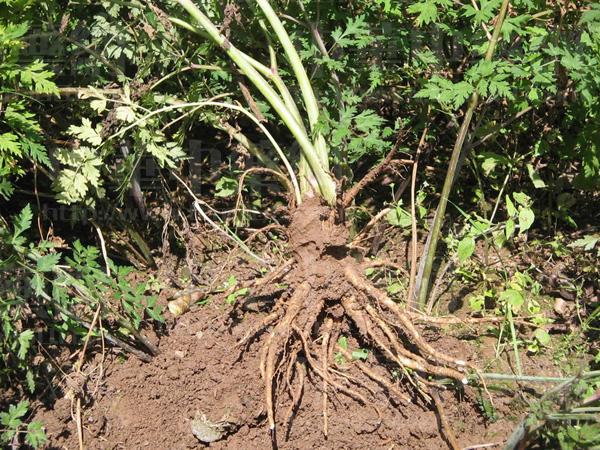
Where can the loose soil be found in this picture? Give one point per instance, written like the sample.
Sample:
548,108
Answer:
151,405
201,371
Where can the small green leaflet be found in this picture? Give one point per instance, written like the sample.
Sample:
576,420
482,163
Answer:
24,343
37,283
522,199
510,207
22,221
466,247
587,242
510,228
343,342
526,219
535,177
38,79
37,152
226,187
125,114
48,262
427,10
542,336
8,142
446,92
86,132
232,298
73,183
6,188
394,288
36,436
512,298
12,418
398,217
357,33
491,160
361,353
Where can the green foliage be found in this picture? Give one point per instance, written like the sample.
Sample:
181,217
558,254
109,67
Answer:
21,137
568,421
12,424
49,292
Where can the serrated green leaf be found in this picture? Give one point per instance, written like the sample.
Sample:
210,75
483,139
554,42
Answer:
47,262
35,77
125,114
22,221
86,132
9,142
6,188
98,105
37,284
587,242
24,343
19,410
36,436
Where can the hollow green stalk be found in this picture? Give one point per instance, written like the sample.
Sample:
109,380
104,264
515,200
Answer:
325,182
438,220
310,101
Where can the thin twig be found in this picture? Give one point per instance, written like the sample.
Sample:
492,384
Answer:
228,235
413,263
374,172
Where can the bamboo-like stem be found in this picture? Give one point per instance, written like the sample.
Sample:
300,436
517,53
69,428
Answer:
269,73
429,254
325,182
524,378
310,101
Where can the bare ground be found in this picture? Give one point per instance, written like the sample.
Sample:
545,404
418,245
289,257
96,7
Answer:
151,405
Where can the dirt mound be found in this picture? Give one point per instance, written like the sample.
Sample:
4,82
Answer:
152,405
279,378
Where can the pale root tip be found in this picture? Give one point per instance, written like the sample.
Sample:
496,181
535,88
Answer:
465,381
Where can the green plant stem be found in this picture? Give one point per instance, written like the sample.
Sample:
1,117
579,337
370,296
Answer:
325,181
434,234
522,378
269,73
310,101
513,336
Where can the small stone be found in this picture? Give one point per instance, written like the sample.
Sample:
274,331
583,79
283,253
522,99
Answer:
180,354
560,306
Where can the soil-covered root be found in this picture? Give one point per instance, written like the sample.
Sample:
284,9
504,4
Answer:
276,341
326,291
